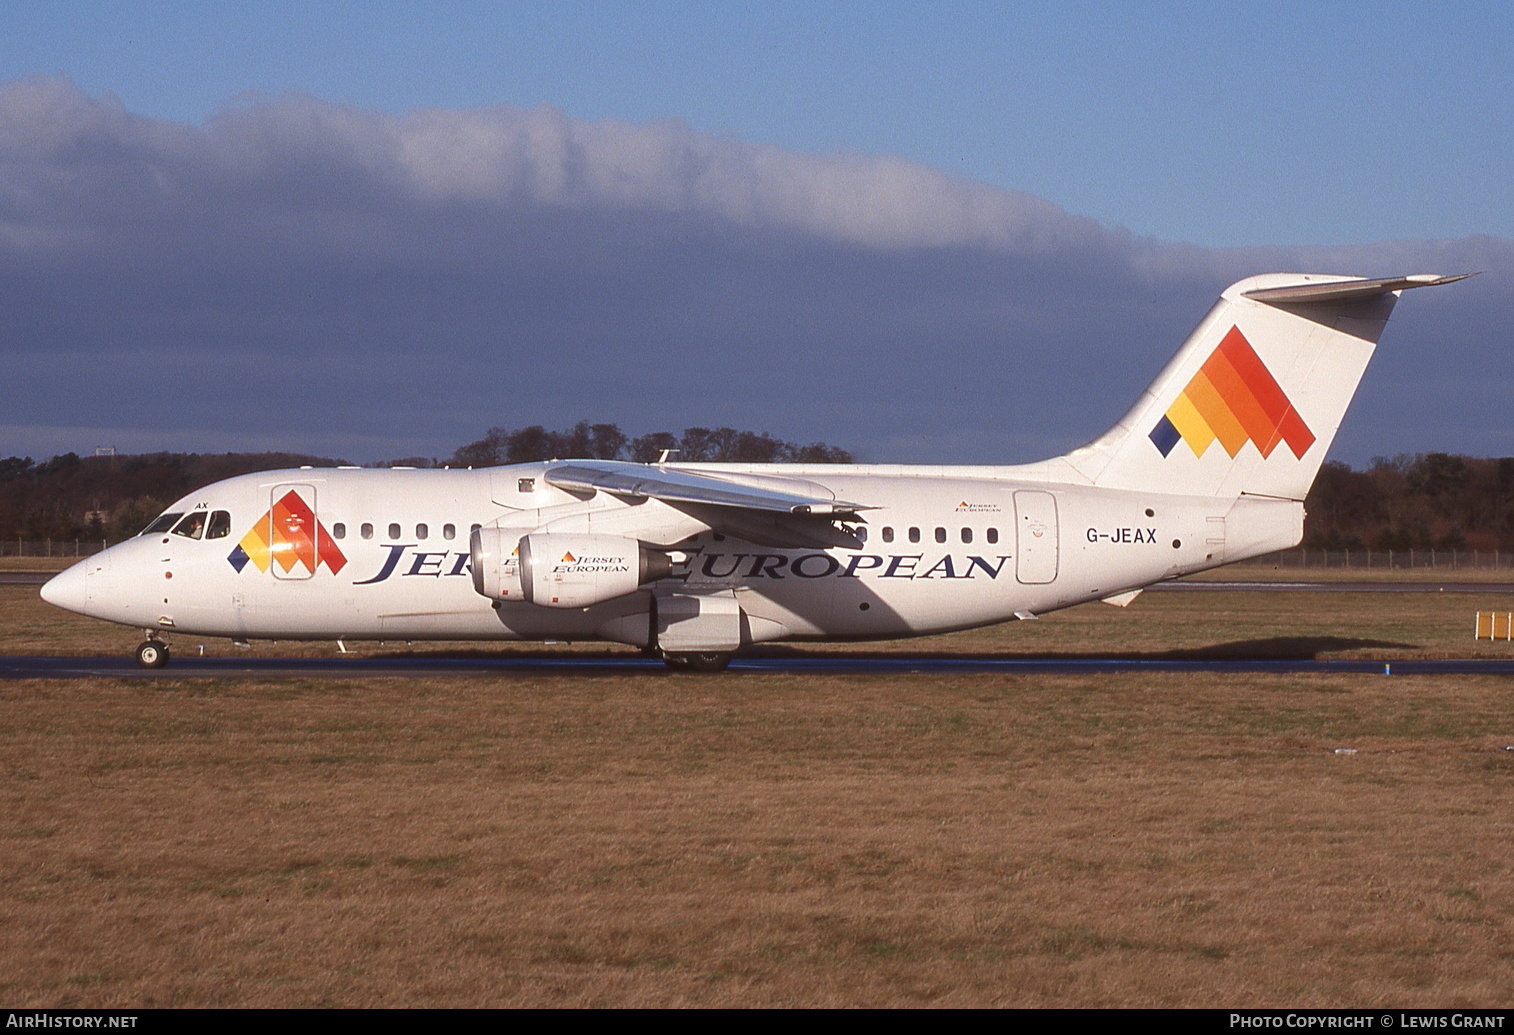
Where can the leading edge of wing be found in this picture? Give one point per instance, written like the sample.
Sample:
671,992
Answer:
643,480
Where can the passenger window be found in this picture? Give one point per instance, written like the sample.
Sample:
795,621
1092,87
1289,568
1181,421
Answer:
449,531
163,524
914,535
526,484
220,525
192,525
394,530
339,531
967,535
862,535
474,528
366,531
940,535
888,533
421,531
993,535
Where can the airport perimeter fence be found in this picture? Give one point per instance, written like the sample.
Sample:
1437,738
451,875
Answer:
1302,558
1299,558
51,547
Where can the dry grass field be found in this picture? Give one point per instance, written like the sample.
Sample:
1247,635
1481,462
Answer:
653,839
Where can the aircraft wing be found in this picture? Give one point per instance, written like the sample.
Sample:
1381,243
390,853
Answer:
674,486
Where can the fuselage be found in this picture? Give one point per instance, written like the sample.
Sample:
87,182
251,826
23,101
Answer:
1209,466
387,554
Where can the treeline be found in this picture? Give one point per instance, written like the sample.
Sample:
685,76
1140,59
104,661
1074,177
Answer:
1413,502
1409,502
608,442
113,497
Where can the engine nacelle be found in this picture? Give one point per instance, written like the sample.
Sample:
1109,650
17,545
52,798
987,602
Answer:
559,570
494,558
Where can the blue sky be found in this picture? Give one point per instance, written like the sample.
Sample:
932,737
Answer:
1275,124
962,233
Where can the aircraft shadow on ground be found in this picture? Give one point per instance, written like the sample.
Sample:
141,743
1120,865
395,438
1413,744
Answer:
1275,648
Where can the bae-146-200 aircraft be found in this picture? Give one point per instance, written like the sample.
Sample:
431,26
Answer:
695,561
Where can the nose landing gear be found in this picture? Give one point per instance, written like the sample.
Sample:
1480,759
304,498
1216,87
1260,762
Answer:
152,653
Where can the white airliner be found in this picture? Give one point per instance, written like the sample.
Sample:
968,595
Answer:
695,561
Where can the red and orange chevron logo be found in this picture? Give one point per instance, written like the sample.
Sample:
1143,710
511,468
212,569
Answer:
288,534
1233,399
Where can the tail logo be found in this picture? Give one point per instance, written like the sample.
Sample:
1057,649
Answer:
283,536
1235,399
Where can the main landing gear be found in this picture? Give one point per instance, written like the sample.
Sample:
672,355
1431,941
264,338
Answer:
697,661
152,653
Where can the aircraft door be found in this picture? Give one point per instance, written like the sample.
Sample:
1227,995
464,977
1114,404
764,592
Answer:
1035,537
292,531
510,487
1214,540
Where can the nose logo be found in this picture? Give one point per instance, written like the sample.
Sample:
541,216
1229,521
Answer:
283,536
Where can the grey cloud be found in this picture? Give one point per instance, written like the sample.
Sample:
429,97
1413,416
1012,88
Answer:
301,270
306,158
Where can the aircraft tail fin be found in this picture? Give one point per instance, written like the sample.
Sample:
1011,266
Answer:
1252,401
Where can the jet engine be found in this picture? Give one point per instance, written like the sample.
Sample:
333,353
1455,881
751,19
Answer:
557,570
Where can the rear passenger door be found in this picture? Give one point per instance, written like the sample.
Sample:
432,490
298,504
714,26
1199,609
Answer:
1036,548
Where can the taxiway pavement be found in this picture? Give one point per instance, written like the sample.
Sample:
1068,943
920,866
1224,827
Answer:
189,667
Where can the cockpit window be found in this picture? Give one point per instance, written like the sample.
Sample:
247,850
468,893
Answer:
163,524
192,526
219,526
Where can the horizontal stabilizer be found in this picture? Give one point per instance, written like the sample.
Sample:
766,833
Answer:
1349,290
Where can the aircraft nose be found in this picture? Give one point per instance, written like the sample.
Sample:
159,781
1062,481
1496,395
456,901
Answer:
67,589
